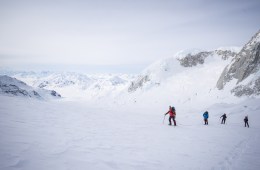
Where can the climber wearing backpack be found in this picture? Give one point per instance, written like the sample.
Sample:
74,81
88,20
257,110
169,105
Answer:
246,121
172,115
224,116
206,116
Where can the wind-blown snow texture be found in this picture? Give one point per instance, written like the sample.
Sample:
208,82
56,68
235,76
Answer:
117,121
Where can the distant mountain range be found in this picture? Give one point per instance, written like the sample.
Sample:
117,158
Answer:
189,74
75,84
13,87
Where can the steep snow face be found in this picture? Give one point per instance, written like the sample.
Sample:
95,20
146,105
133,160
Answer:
168,81
12,86
78,86
155,74
244,68
167,68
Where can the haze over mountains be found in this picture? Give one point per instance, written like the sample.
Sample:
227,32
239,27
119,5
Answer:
190,74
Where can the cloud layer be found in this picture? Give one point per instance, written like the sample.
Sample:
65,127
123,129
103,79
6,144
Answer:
119,32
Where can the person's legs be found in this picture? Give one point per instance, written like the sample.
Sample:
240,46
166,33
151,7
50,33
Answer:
174,120
224,121
247,124
170,122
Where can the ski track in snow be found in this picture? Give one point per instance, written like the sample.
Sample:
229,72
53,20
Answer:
69,135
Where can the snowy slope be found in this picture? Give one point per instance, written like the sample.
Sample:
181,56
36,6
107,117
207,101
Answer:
170,82
163,69
190,77
76,136
13,87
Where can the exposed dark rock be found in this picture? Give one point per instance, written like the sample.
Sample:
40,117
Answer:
245,63
43,84
193,60
253,88
138,83
54,93
14,90
225,54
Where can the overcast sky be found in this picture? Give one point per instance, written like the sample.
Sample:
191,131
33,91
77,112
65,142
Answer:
126,35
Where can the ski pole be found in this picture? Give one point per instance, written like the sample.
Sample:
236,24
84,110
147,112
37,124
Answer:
163,119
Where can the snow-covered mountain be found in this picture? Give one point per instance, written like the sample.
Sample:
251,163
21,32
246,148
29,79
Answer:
244,70
190,77
189,80
158,72
12,86
241,68
76,85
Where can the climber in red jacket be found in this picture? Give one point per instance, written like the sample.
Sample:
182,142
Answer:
172,115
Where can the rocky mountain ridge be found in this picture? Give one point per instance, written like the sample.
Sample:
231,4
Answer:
13,87
244,69
191,60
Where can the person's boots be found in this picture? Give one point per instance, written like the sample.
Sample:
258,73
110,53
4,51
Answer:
174,123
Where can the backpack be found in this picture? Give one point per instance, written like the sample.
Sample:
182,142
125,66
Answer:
173,110
206,115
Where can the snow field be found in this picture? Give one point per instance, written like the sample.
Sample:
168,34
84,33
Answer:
78,135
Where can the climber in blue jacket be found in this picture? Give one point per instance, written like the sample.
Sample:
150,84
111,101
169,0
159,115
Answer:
206,116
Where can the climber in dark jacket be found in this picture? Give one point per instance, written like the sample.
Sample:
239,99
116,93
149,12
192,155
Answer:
246,121
224,116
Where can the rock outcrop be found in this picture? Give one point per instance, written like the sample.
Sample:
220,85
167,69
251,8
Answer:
191,60
141,80
245,63
13,87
